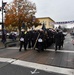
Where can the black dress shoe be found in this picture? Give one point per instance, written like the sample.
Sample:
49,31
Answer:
19,50
25,49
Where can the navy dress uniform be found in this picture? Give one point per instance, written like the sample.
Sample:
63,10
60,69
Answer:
22,37
58,39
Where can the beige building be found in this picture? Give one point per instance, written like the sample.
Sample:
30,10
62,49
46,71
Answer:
48,22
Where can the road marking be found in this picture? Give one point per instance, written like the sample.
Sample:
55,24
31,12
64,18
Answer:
65,51
34,72
66,42
9,60
13,48
46,68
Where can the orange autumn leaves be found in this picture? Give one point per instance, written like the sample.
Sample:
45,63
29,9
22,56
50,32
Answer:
19,11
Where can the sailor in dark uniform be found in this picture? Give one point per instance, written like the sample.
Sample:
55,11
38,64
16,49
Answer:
22,40
40,42
58,39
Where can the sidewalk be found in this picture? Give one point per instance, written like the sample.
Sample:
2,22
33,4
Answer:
8,40
1,45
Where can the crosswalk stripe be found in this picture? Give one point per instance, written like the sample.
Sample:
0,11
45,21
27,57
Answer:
65,51
46,68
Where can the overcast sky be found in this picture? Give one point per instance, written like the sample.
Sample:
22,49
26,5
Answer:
58,10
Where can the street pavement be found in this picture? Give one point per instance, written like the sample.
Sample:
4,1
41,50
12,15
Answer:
10,69
10,66
30,62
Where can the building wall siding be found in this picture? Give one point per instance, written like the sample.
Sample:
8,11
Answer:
47,21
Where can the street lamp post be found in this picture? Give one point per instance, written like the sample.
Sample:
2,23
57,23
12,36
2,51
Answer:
3,33
19,27
2,19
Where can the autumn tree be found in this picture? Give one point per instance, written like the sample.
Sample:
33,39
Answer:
20,11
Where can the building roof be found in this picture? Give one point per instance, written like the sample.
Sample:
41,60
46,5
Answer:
46,18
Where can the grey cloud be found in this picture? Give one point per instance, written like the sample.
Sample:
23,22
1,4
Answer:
58,10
